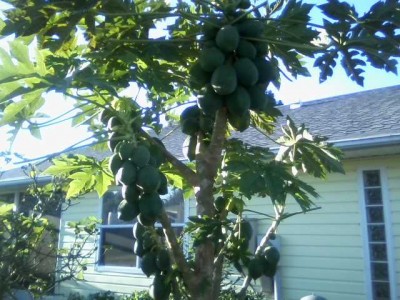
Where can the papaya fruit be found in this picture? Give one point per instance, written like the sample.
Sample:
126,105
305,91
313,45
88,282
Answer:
207,123
130,193
190,126
114,123
239,123
209,101
198,77
256,267
269,269
258,99
211,27
224,80
163,189
148,178
245,230
246,71
246,49
227,38
127,173
115,163
163,260
157,157
150,205
244,4
220,203
265,70
148,264
190,112
261,47
125,150
140,155
251,28
138,248
138,231
238,102
272,255
211,58
105,115
146,220
113,139
127,211
160,289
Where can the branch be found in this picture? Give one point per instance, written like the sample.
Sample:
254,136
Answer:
176,249
185,171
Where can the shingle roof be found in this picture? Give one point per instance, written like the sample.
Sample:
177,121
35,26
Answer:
367,114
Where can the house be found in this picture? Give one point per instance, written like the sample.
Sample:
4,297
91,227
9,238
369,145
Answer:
349,249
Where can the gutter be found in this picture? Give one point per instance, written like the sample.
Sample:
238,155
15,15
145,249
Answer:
22,181
368,142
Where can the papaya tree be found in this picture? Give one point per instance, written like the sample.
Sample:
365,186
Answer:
207,68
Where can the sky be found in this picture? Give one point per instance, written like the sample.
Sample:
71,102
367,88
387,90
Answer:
57,138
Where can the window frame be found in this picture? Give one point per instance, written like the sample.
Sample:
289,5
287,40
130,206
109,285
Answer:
386,207
125,269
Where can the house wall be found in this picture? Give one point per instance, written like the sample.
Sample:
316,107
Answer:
95,280
322,252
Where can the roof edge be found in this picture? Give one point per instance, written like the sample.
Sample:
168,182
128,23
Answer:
367,142
21,181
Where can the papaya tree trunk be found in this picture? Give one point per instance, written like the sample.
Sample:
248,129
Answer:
208,161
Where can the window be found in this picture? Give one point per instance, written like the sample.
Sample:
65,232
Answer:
116,238
376,235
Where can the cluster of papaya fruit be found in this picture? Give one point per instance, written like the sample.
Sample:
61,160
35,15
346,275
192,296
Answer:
135,165
264,264
155,259
232,69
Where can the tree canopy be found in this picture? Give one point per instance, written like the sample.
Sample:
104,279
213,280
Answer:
205,66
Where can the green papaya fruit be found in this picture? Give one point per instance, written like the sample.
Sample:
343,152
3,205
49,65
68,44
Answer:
125,150
160,288
258,98
130,193
190,126
198,77
114,123
238,103
256,267
127,211
244,4
209,101
211,58
163,260
138,231
227,38
251,28
146,220
272,255
140,155
265,70
127,173
220,203
113,139
246,71
224,80
105,115
138,248
148,178
163,189
239,123
148,264
246,49
150,205
115,163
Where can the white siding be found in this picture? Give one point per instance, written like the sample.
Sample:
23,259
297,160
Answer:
94,280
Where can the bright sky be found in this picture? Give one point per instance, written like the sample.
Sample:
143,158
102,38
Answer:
57,138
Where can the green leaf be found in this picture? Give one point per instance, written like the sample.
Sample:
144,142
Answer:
35,131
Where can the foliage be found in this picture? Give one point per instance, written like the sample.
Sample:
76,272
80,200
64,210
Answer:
29,239
98,52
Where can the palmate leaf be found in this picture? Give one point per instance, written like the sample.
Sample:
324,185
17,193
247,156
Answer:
307,153
83,174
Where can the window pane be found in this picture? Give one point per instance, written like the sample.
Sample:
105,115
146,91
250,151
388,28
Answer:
373,196
7,198
376,233
379,271
381,291
372,178
116,247
174,205
378,252
375,214
111,201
